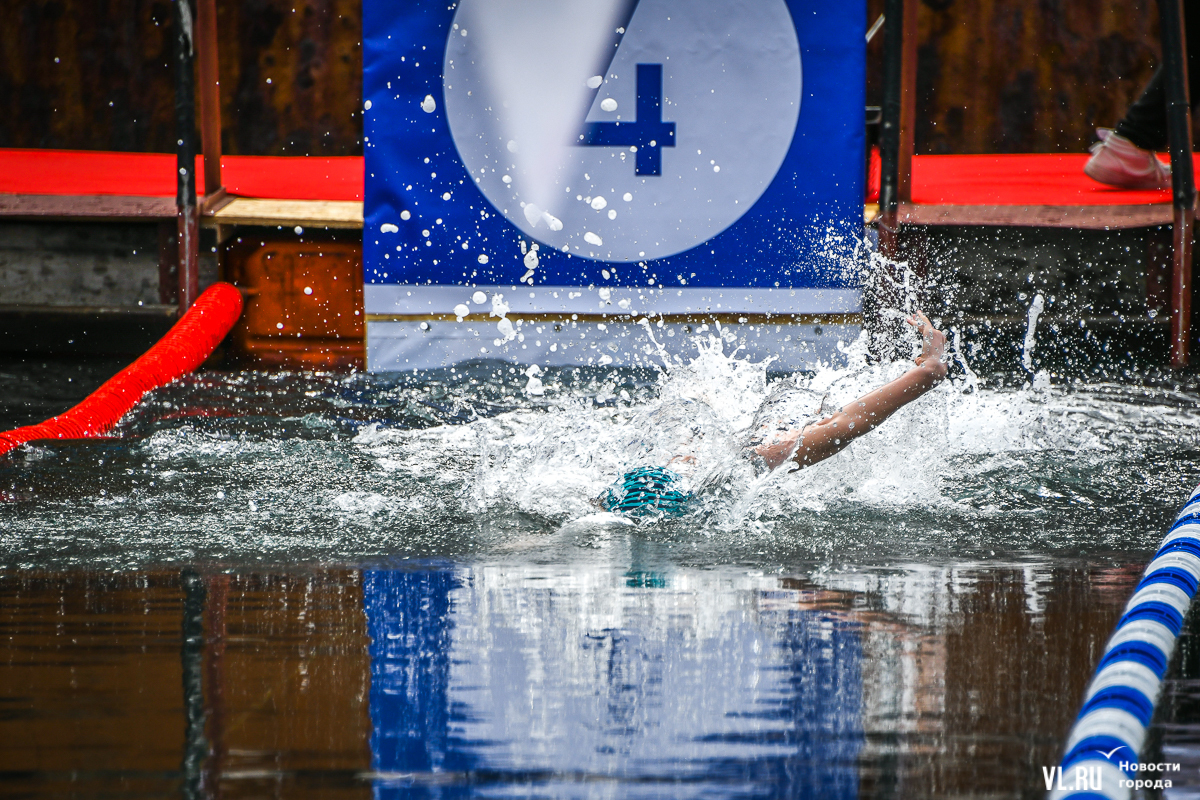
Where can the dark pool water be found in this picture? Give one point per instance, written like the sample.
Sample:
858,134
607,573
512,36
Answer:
398,586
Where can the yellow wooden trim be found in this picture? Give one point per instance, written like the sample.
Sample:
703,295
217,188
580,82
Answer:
288,213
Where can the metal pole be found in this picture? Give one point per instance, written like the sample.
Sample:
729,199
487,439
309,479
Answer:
889,130
1183,185
185,134
880,293
210,96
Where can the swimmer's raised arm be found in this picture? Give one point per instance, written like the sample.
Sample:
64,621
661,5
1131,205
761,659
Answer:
823,439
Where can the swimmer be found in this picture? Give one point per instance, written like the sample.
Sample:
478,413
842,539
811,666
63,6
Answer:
649,490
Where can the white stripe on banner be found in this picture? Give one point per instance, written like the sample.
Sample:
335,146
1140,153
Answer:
413,300
399,346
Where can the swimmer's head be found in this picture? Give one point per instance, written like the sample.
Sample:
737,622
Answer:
645,491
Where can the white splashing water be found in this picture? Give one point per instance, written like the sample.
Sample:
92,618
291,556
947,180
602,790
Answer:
553,463
1035,310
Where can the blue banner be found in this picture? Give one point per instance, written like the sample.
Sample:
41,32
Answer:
621,143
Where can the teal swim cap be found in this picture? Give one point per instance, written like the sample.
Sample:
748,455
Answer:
644,491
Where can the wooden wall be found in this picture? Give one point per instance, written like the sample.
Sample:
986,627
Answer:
1031,76
1013,76
290,75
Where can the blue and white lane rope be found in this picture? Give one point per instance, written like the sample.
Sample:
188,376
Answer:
1119,702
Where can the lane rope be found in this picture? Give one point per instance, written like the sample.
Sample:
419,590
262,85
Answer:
1119,703
184,348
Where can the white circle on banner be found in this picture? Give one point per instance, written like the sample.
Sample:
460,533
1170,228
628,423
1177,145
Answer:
725,74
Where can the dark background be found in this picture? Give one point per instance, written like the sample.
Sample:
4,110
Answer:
112,87
1024,76
1015,76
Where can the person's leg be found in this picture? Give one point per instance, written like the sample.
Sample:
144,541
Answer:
1145,122
1125,157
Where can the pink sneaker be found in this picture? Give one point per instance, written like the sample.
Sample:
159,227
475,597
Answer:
1119,162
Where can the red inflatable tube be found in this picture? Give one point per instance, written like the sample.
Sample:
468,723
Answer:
186,345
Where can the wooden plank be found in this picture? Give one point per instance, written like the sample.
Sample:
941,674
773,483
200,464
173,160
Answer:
210,94
1182,237
314,213
93,208
1082,217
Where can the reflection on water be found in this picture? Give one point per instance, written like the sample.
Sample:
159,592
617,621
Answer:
723,686
628,678
95,690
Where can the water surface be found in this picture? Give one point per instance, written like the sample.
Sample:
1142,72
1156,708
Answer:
399,584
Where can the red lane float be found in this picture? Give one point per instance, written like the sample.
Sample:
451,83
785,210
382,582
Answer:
191,340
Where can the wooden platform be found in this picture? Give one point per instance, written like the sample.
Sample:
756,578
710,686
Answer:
239,211
288,213
1101,218
1109,217
348,214
86,208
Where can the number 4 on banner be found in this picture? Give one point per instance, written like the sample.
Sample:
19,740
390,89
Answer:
648,133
